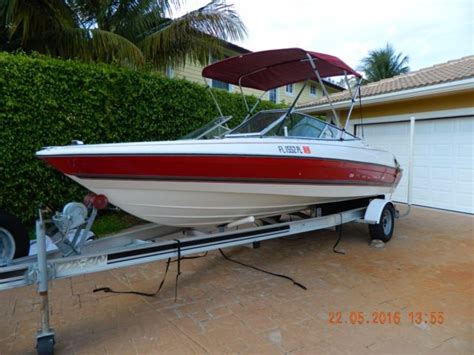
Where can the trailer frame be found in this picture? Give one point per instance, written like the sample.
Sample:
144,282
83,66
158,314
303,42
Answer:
150,242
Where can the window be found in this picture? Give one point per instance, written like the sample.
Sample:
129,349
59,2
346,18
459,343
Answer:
220,84
289,89
312,90
169,71
272,95
217,84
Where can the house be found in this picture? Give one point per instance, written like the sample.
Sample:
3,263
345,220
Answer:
192,71
441,99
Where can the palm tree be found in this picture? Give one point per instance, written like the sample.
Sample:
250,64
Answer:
129,32
384,63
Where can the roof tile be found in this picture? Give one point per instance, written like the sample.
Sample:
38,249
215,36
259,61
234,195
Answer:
452,70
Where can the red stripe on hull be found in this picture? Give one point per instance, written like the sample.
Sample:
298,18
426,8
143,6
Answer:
204,167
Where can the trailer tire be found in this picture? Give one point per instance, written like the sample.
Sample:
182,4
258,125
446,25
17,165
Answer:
45,345
384,229
12,228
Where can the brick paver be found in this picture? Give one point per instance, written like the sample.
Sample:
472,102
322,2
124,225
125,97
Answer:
226,308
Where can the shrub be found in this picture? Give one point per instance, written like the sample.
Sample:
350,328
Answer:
45,101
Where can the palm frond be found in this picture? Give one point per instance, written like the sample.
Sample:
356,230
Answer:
123,31
217,19
193,36
110,47
90,46
195,47
111,14
135,25
27,18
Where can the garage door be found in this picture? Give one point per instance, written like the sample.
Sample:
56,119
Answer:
443,160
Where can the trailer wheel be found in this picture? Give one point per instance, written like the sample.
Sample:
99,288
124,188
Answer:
45,345
14,241
384,229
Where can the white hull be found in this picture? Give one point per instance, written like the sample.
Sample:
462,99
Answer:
199,204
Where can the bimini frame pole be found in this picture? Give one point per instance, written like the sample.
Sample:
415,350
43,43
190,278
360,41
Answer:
208,87
249,110
315,69
297,98
287,113
249,113
242,94
347,83
353,99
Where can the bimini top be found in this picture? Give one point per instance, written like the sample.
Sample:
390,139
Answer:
271,69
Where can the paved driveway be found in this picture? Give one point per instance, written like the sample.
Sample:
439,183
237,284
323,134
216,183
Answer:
224,308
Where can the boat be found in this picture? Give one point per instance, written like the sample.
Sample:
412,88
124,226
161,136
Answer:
275,162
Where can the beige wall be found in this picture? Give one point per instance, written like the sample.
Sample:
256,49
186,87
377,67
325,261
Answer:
306,97
427,104
417,105
192,72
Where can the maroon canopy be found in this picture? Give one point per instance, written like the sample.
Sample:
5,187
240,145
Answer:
267,70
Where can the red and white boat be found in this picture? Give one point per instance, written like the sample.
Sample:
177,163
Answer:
275,162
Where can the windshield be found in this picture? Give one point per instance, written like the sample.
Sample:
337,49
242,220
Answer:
214,129
277,123
297,125
258,122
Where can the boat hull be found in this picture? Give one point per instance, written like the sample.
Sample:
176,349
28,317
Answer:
208,183
200,204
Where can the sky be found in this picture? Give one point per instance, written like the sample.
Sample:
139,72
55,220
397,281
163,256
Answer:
428,31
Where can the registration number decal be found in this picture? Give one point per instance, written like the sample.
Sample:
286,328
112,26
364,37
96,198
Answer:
294,149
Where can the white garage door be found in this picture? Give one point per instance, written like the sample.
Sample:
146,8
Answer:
443,160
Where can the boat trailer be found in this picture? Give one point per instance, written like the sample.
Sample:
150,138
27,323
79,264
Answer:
150,242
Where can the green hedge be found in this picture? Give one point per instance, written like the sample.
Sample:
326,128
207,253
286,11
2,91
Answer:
46,101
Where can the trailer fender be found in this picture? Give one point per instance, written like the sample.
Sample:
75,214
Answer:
374,210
